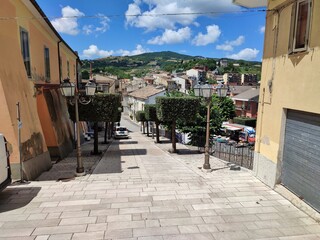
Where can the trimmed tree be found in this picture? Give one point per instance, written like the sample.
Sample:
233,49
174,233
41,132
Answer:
151,115
102,108
172,109
141,117
222,109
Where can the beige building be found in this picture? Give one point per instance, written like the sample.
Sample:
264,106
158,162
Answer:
34,60
288,127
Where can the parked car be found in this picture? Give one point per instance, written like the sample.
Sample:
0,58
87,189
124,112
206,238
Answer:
5,173
121,132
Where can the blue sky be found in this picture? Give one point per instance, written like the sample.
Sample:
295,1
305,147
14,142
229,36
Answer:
100,28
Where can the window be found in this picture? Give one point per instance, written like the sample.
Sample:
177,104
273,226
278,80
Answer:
301,23
24,38
46,64
68,69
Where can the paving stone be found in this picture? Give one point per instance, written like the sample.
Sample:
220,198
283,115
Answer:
59,229
188,229
31,224
200,236
127,224
118,234
43,237
60,237
88,235
12,232
230,235
78,220
181,221
143,232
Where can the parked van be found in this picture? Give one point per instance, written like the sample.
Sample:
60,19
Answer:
5,173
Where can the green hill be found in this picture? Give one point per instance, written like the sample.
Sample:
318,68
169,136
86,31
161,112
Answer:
140,65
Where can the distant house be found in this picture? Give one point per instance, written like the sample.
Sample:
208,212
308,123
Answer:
197,74
106,84
232,79
183,84
136,100
223,63
236,90
246,103
249,79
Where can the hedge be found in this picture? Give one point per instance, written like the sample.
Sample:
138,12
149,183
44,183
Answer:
170,109
102,108
251,122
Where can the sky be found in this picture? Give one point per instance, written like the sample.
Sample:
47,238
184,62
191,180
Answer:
208,28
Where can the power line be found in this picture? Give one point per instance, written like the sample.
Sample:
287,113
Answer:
138,15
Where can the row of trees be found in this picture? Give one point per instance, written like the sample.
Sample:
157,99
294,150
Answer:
188,115
102,108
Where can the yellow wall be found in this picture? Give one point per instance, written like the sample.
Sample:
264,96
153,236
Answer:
295,80
15,86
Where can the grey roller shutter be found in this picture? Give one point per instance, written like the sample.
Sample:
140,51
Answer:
301,157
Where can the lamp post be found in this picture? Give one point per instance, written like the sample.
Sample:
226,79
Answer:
70,91
206,91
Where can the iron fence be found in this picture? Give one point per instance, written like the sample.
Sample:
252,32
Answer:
240,154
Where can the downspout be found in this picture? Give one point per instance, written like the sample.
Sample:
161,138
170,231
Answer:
59,60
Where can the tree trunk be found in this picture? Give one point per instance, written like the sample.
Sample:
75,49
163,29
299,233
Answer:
173,137
105,133
143,128
96,139
157,132
147,128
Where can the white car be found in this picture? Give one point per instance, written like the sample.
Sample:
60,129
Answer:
5,174
121,132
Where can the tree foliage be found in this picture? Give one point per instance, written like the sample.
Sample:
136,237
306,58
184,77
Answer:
102,108
221,109
173,109
141,116
151,112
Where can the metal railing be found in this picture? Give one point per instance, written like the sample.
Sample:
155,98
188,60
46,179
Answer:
240,154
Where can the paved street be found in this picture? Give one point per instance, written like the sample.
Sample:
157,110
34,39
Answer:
140,191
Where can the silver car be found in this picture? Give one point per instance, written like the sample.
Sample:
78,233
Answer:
121,132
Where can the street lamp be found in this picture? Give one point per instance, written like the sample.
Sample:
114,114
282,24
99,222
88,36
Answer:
71,91
206,91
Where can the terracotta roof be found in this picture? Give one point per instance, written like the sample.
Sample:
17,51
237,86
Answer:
146,92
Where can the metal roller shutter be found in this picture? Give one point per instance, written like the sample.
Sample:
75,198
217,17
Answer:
301,157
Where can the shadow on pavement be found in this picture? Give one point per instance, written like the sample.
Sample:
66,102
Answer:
16,196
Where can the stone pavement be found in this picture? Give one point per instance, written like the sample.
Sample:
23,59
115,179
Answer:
139,191
64,169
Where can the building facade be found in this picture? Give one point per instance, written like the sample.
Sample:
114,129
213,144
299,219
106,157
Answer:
287,150
34,60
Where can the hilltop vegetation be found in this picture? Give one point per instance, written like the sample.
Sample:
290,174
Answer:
140,65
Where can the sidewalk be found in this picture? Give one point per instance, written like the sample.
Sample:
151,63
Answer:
139,191
65,169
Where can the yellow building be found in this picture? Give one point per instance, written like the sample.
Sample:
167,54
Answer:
34,60
288,132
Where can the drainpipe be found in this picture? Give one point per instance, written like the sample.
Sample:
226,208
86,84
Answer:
59,60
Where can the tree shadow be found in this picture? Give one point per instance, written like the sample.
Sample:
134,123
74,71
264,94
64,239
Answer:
16,196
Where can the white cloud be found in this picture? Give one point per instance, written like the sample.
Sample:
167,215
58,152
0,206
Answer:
213,33
245,54
93,52
228,45
262,29
172,37
68,24
139,50
104,26
158,13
